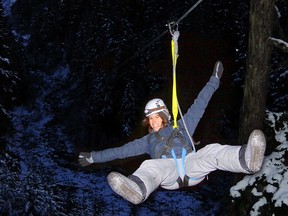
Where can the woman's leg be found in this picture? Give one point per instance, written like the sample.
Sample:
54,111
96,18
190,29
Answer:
147,178
239,159
213,157
157,172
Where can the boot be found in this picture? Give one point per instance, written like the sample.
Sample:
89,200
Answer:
218,69
129,188
254,152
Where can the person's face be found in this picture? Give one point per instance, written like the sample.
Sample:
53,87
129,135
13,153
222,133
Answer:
155,122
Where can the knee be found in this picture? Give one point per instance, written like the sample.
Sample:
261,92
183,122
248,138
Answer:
148,163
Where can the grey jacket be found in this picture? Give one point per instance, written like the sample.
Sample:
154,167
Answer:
151,144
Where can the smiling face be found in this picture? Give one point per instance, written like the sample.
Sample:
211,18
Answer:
156,122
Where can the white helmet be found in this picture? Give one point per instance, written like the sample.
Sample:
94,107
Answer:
156,105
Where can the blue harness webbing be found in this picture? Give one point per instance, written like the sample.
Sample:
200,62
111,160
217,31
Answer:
185,181
168,149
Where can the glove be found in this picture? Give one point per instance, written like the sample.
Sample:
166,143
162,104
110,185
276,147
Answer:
85,159
218,69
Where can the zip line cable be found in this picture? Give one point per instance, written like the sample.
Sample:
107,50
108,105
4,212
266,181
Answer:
161,35
191,9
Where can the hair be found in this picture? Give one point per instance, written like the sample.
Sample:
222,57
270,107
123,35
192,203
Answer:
165,121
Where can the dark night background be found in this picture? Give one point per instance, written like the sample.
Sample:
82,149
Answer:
75,77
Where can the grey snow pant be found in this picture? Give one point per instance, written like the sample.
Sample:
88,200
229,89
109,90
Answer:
164,172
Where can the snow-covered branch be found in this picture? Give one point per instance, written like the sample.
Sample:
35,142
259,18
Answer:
277,12
279,44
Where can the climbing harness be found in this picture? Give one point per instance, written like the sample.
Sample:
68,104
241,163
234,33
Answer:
165,151
168,152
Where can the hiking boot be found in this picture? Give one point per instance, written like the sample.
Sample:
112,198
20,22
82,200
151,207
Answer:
218,69
254,153
125,187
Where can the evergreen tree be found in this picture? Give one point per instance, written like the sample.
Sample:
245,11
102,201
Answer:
101,42
10,76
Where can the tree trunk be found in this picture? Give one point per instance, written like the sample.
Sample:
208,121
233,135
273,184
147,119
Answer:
256,78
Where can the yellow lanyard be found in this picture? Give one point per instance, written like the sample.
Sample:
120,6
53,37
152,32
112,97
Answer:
174,50
175,104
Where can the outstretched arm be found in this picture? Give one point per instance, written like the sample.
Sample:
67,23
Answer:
133,148
196,111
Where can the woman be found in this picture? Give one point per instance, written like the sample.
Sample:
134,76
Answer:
174,164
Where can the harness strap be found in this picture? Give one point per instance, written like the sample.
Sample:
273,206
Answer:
177,133
160,153
166,149
185,181
163,153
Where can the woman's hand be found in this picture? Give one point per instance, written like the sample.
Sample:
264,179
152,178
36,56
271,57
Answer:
85,159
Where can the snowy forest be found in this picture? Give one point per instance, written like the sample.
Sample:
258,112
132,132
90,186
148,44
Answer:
76,75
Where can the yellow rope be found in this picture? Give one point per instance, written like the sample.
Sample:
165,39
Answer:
175,104
174,90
